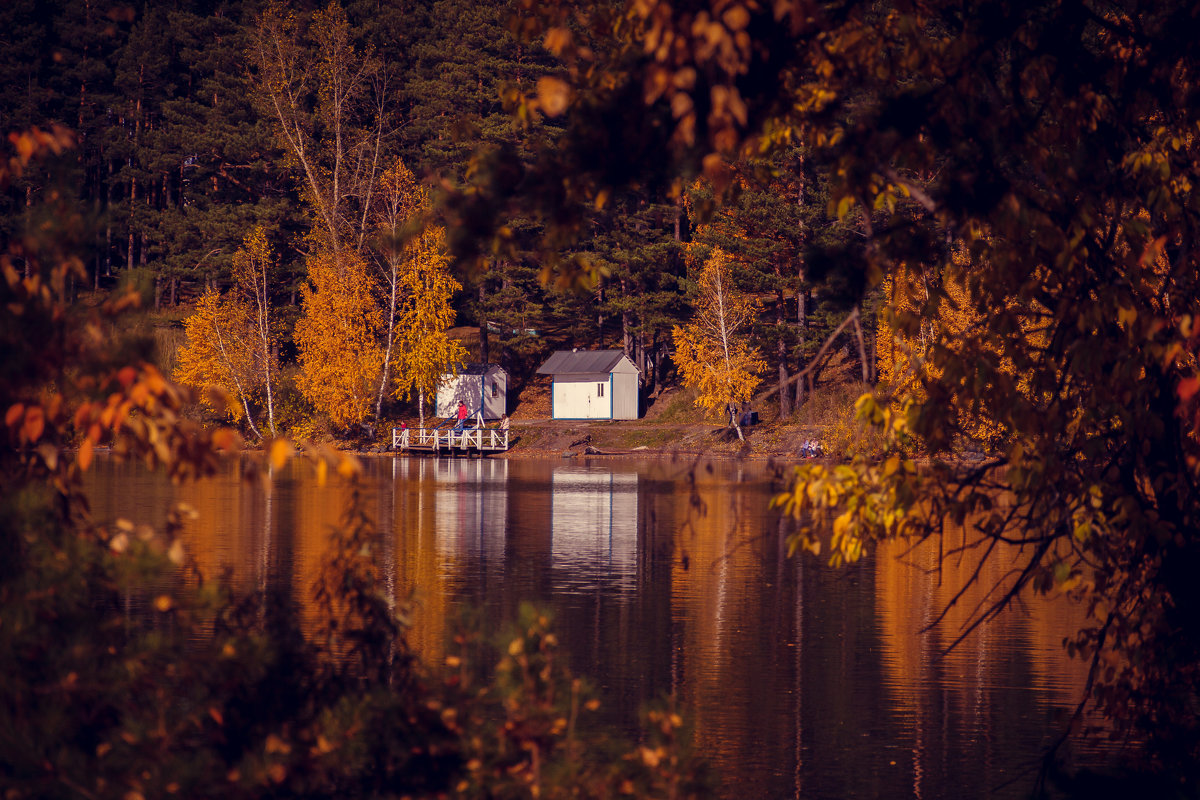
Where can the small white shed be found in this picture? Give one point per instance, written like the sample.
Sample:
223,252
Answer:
483,387
592,384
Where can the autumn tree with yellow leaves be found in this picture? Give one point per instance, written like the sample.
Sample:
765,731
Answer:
425,350
129,672
338,337
1054,142
231,340
364,333
416,288
712,351
218,355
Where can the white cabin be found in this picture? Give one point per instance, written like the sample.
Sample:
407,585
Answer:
483,387
592,384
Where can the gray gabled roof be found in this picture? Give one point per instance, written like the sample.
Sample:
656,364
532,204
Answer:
574,362
478,369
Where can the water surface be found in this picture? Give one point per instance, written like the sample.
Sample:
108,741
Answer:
669,577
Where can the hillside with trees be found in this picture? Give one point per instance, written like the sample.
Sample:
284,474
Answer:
202,124
995,200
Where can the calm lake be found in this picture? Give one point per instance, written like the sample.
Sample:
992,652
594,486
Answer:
803,681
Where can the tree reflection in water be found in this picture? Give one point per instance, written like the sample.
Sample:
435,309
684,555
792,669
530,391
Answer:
805,681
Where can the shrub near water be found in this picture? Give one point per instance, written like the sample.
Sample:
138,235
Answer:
114,689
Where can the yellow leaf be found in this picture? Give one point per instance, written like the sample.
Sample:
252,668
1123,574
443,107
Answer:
348,466
556,40
35,424
84,457
281,450
277,745
736,18
553,95
844,206
224,438
49,454
842,524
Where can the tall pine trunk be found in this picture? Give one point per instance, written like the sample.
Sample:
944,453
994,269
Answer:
785,405
801,327
483,322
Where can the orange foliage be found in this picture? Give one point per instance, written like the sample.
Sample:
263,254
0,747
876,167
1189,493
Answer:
711,351
337,335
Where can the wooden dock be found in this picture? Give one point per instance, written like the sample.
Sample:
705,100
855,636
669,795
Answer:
447,441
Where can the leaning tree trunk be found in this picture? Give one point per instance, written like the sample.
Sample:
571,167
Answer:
862,347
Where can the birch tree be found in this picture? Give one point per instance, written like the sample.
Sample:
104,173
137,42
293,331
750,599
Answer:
425,350
326,98
251,265
397,205
220,355
712,351
231,340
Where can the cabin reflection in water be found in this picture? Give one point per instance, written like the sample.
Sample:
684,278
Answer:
593,523
470,505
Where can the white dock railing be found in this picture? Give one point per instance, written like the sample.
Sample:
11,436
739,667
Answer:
435,440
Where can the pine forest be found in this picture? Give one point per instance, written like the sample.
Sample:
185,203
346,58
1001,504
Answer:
950,239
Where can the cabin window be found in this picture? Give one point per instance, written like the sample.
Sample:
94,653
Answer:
495,390
599,390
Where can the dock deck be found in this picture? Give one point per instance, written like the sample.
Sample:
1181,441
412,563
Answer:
449,441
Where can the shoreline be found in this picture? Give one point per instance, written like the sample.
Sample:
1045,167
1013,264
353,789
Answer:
639,439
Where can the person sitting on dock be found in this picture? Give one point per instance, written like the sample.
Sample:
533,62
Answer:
504,423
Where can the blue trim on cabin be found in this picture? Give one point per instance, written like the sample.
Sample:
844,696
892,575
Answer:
611,404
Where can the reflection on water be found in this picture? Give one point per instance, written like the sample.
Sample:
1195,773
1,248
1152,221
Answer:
593,524
805,681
